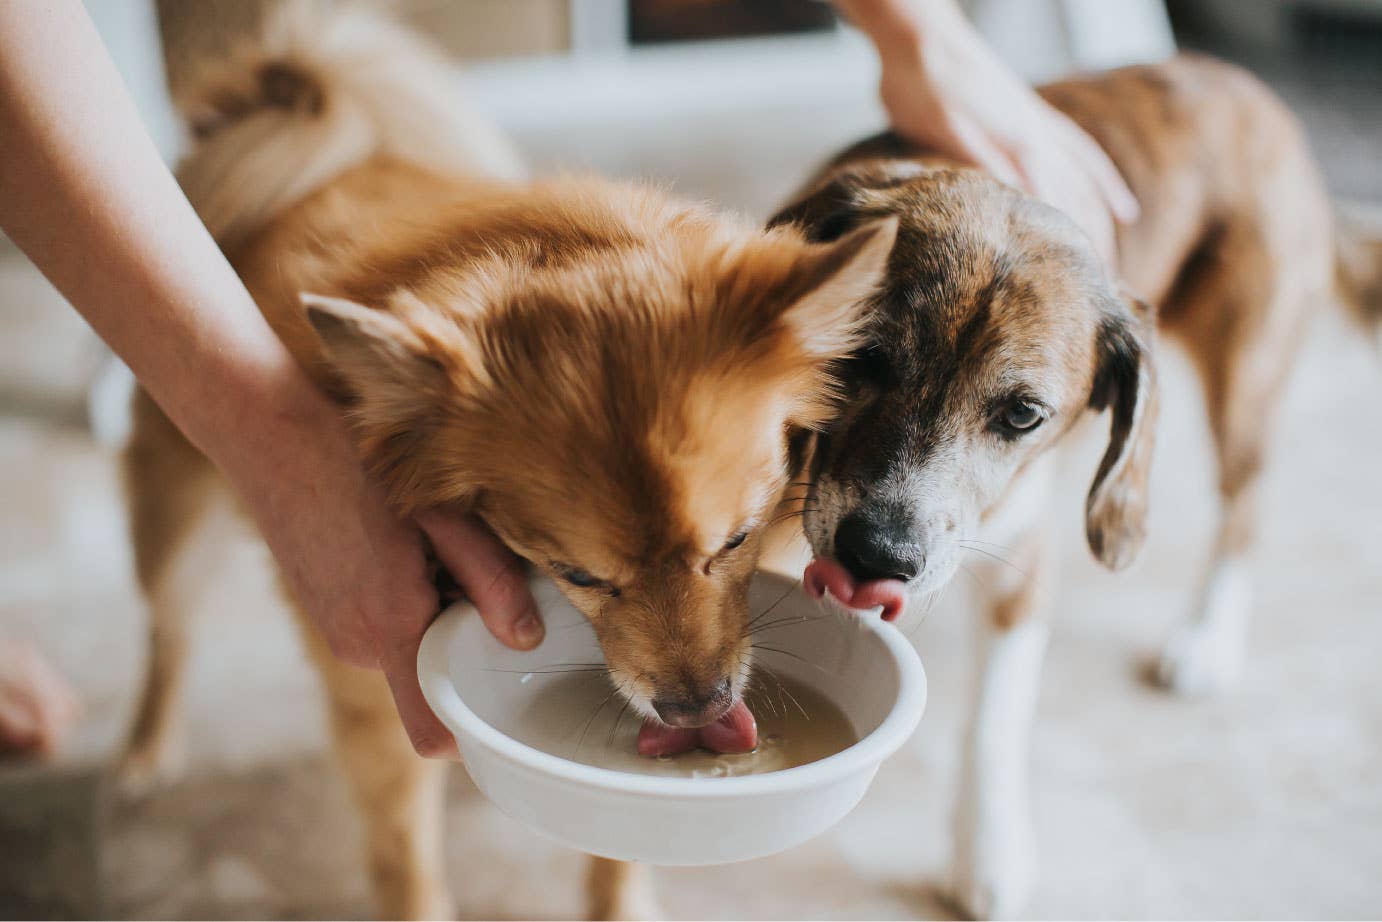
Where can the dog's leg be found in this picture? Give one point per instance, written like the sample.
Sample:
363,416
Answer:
994,845
169,485
621,890
400,794
1205,653
1242,332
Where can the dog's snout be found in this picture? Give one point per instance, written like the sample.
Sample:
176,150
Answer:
878,547
695,708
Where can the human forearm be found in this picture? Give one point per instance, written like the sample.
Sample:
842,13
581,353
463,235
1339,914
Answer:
84,193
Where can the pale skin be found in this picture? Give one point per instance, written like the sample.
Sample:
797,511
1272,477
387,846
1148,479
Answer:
946,90
84,193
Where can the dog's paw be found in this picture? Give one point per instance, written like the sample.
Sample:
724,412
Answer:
1205,655
996,890
143,769
993,875
1201,660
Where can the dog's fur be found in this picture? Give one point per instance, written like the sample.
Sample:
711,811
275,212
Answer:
607,376
996,308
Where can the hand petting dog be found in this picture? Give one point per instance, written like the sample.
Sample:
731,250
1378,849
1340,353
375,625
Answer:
945,90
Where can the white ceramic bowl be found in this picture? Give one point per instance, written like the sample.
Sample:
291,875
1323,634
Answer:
480,689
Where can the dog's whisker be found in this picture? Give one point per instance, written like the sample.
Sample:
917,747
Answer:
614,728
1000,559
767,611
580,740
795,656
557,669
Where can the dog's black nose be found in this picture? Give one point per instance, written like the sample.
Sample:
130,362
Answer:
695,709
872,547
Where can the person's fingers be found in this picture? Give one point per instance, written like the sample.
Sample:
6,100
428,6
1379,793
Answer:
491,575
975,145
1121,202
429,736
1060,181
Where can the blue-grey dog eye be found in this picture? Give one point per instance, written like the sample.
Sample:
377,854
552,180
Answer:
1018,416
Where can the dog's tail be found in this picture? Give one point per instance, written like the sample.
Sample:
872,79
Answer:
1358,270
321,89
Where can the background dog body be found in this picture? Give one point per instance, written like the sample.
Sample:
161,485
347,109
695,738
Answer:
1236,247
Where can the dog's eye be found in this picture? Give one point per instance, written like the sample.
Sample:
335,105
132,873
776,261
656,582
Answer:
1018,416
737,540
581,578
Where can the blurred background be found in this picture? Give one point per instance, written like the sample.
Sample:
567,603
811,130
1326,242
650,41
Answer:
1262,803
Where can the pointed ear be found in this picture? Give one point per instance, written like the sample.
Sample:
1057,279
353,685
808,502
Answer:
392,367
1125,382
832,287
370,350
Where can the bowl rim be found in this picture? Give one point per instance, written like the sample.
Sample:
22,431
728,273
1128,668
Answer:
869,752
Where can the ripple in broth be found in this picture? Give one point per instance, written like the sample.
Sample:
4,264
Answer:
576,717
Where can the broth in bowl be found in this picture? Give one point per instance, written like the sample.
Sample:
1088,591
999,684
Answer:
576,717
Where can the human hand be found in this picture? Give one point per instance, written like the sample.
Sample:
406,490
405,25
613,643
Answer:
360,573
946,90
37,707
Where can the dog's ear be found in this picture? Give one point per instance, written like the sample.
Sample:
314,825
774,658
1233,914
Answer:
396,369
825,214
831,288
1125,383
371,351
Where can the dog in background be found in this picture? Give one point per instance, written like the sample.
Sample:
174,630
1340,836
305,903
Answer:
607,376
999,328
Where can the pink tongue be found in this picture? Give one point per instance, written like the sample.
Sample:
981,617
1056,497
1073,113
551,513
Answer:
825,575
736,731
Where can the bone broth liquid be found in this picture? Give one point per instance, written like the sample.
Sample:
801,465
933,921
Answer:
575,717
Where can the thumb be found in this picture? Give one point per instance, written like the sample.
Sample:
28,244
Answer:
491,575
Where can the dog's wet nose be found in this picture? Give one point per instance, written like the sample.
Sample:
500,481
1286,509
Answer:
878,548
695,708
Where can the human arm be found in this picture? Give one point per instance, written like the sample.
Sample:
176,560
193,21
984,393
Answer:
84,193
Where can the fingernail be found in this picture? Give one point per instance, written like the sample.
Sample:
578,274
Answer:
528,629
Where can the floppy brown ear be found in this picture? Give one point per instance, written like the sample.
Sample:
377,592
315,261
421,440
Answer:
1125,383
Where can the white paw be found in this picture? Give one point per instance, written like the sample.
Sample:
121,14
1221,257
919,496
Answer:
1201,660
995,882
1205,655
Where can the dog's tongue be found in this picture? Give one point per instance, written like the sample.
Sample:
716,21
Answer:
825,575
736,731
